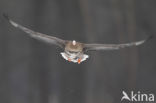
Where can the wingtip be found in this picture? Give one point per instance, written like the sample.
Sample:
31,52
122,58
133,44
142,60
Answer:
9,20
6,16
150,37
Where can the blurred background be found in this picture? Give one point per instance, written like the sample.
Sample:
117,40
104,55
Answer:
34,72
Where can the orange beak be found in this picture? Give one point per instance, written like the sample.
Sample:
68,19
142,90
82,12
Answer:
79,61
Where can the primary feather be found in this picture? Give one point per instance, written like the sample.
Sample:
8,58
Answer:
113,46
37,35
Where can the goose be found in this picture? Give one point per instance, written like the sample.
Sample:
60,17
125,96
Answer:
74,51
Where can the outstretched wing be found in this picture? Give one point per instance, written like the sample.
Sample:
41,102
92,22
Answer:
37,35
113,46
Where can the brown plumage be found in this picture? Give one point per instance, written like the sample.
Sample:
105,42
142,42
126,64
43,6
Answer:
75,48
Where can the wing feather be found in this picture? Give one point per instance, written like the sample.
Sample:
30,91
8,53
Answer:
93,47
37,35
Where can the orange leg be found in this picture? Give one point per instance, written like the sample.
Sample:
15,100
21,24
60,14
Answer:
79,61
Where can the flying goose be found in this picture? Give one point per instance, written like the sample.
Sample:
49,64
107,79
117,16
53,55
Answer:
74,51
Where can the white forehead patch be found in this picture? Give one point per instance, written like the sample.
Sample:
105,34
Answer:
74,42
72,57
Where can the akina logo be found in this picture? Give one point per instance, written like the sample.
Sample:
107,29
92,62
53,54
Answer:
137,96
